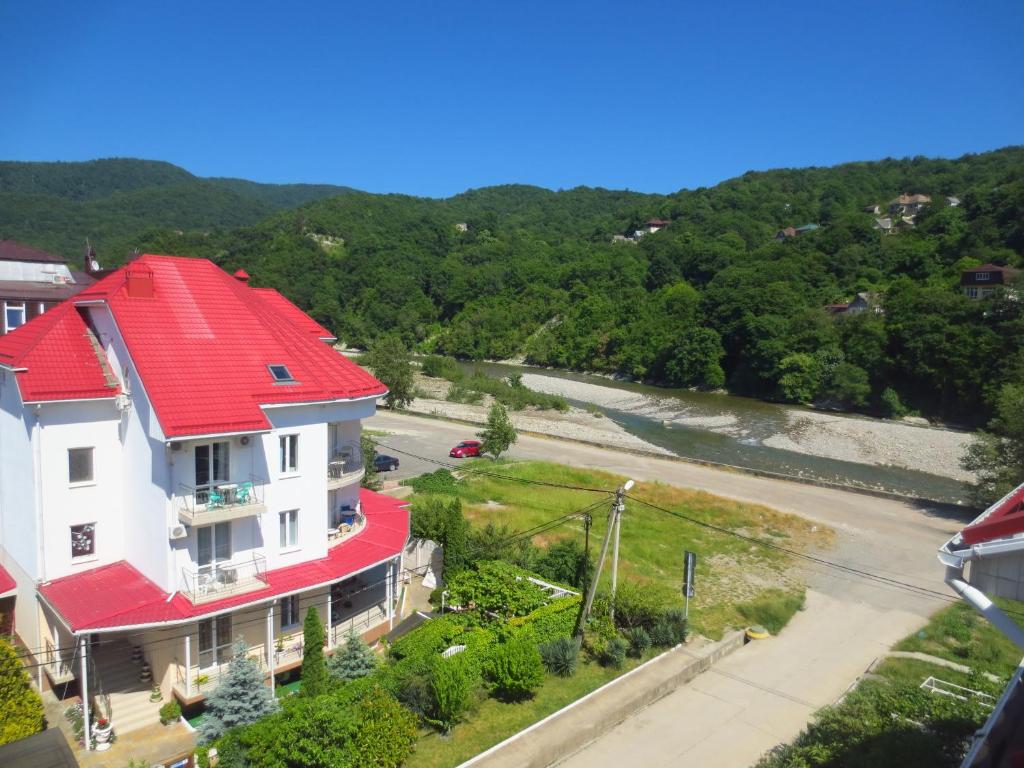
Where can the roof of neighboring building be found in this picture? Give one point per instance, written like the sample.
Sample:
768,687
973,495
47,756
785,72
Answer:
46,749
11,250
910,199
883,223
7,582
130,599
993,268
787,232
39,291
1002,520
201,341
56,357
658,223
808,228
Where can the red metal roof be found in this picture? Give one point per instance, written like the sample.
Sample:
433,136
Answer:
59,357
300,318
7,582
117,595
1004,519
202,343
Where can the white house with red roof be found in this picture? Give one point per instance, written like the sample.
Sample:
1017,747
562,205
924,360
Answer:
180,466
984,561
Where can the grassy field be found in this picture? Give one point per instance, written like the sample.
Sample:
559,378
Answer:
738,583
494,721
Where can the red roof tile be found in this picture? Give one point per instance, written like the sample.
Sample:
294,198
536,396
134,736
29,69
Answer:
130,599
297,316
202,343
56,359
7,582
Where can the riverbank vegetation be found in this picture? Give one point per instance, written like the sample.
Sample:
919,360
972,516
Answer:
470,388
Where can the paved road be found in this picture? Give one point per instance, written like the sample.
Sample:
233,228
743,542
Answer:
765,693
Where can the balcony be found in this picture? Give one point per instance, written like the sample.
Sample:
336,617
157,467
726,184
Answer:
344,467
220,503
215,581
346,523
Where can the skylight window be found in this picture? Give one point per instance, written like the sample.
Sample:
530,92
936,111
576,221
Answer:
281,373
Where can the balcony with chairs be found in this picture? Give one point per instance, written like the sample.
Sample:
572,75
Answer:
215,581
344,466
220,502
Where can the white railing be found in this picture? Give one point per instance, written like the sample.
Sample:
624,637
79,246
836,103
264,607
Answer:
216,580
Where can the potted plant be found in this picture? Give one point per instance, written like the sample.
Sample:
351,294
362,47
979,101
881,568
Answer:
279,646
170,712
155,695
102,731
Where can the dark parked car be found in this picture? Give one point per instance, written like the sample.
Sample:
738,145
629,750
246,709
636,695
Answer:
384,463
465,449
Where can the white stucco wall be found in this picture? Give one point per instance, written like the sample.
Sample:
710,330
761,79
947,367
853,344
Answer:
18,511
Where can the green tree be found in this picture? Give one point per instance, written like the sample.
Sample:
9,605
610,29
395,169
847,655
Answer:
21,709
371,478
455,540
388,358
801,377
451,683
997,455
314,669
352,661
517,669
499,434
240,697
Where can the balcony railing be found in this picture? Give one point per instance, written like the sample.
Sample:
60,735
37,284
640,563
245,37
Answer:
58,668
215,581
220,502
344,466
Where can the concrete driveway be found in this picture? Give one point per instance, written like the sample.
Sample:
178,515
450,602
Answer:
765,693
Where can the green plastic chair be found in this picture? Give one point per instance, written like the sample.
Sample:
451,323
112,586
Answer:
244,492
214,499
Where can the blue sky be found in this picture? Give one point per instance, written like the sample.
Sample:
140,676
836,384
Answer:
432,98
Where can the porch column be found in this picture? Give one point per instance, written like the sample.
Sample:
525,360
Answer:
188,664
330,639
270,643
83,650
391,594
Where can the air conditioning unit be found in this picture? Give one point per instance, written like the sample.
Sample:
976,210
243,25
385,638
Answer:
175,446
244,439
177,531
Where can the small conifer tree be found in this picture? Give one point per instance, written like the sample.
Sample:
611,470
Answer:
314,668
240,697
352,661
21,709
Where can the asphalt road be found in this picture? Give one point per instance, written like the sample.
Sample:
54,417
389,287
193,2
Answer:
765,693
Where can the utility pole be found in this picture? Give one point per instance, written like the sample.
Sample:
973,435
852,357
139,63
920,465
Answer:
613,513
620,505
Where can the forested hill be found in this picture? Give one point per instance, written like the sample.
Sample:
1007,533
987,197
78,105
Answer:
112,202
713,299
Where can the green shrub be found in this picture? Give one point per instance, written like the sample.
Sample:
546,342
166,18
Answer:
439,367
644,605
439,482
517,669
430,638
564,562
170,712
495,587
551,621
615,653
21,708
676,619
639,641
452,687
663,634
352,661
772,609
460,394
560,656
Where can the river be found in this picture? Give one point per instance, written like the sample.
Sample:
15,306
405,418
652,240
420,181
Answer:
731,430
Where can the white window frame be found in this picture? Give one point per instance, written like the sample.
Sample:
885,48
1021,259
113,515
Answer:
979,276
972,291
216,653
289,454
8,306
91,480
288,530
89,530
290,615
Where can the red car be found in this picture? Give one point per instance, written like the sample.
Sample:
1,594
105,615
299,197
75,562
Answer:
465,449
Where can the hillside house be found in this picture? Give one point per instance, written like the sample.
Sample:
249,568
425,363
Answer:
983,561
884,225
652,226
788,232
873,209
953,202
982,282
180,466
862,302
908,205
33,281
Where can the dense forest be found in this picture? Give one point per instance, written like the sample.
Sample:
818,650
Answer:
711,300
112,202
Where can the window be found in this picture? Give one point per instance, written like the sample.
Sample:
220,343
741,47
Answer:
214,641
982,277
14,316
289,527
80,465
289,453
213,545
972,291
83,540
280,373
289,612
213,465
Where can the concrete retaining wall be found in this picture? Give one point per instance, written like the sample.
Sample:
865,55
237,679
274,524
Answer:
570,729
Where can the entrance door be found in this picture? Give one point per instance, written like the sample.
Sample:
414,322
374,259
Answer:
214,641
213,544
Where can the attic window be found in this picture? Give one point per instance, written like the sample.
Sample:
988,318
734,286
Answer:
281,373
